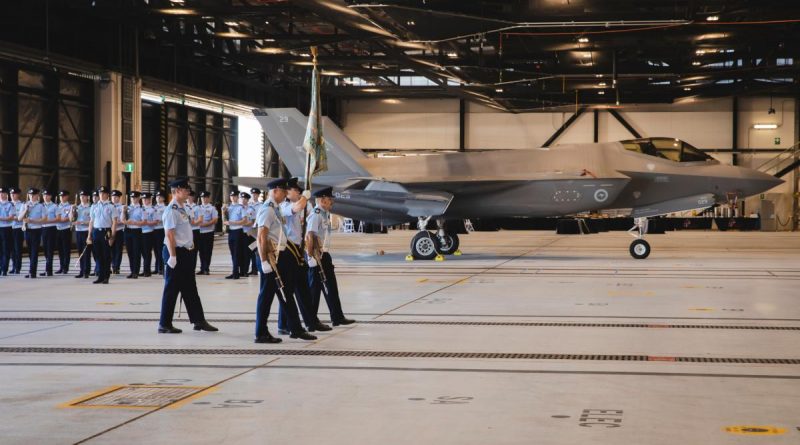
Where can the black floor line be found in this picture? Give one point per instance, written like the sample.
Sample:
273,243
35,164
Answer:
415,369
557,324
395,354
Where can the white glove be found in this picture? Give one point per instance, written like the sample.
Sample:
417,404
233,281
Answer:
312,262
265,267
172,262
307,194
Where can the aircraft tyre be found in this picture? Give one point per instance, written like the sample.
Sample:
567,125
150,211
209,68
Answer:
424,246
450,244
640,249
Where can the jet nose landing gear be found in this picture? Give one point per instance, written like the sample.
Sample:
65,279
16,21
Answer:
428,245
640,249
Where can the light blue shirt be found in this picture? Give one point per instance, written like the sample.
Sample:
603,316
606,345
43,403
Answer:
17,224
319,223
82,221
118,209
7,209
208,212
268,217
159,211
148,214
135,213
235,213
176,218
35,211
65,212
51,209
103,215
293,226
192,211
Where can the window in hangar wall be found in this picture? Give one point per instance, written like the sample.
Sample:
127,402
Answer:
181,141
46,129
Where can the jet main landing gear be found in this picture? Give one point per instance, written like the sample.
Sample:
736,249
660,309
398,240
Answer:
428,245
640,249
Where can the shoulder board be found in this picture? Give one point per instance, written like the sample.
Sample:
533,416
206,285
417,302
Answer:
174,206
271,204
316,210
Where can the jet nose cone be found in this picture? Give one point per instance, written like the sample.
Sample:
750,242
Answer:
758,182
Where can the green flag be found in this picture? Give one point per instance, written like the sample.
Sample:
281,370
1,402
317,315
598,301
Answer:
313,143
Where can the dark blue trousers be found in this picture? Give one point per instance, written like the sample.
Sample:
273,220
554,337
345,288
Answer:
180,280
100,238
147,252
133,244
85,262
205,246
196,241
302,295
268,288
17,238
116,249
332,294
245,254
34,238
234,243
49,246
64,244
158,244
6,248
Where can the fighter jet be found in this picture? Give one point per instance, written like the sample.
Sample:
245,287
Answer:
652,176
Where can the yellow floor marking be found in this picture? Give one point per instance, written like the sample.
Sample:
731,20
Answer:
755,430
109,304
701,309
422,280
76,403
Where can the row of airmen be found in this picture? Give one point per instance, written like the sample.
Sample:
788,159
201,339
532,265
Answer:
294,269
48,226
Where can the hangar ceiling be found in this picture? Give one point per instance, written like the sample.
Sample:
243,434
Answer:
511,55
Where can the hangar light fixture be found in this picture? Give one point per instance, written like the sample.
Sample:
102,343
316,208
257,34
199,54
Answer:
712,18
410,23
177,11
452,54
583,40
765,126
498,90
331,73
687,89
372,90
231,23
391,101
232,35
601,84
696,63
270,50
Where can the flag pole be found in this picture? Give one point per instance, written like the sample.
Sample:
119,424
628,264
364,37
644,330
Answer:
308,173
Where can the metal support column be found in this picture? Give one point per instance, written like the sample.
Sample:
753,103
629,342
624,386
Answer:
796,174
735,135
462,117
624,123
596,125
563,128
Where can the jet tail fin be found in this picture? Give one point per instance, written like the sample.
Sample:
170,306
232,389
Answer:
285,129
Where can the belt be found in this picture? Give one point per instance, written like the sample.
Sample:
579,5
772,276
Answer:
188,249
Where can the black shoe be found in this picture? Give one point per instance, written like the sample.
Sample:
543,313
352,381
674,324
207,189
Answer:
105,281
97,281
168,330
146,274
204,326
132,276
116,271
232,277
267,339
46,274
58,272
30,276
322,327
283,331
80,276
303,335
254,272
343,321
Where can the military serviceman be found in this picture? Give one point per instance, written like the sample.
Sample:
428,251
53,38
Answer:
148,223
33,215
158,232
49,232
81,234
17,235
179,274
318,240
63,232
254,204
102,225
236,218
7,215
272,253
133,220
249,234
208,216
294,210
119,234
191,210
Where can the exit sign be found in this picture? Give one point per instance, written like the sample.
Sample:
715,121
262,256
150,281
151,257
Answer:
777,141
129,167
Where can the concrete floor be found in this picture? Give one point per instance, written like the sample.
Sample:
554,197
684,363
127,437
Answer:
528,337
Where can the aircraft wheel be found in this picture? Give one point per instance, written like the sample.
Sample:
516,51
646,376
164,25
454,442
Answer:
424,246
449,244
640,249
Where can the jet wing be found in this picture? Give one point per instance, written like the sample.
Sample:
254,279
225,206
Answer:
675,205
393,197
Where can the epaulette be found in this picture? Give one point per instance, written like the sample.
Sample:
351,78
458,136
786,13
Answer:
271,204
174,206
316,210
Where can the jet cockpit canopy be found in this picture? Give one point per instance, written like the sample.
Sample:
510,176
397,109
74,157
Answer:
667,148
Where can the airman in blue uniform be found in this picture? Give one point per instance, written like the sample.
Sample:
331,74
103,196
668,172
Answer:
208,216
318,241
294,209
148,224
82,216
158,232
249,234
134,218
102,224
272,253
191,210
236,219
33,215
63,232
7,217
254,204
49,232
17,234
179,277
119,232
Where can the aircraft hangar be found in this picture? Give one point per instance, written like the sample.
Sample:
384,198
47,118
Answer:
540,221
